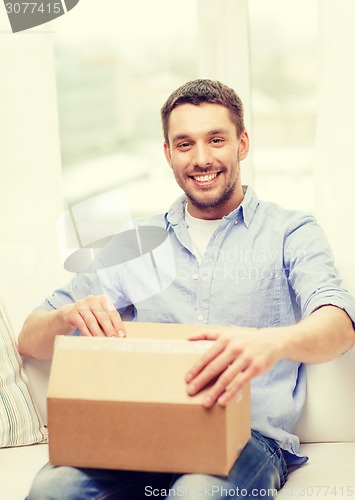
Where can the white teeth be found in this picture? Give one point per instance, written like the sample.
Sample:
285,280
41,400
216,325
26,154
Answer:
205,178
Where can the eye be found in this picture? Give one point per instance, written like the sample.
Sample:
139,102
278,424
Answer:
217,141
184,145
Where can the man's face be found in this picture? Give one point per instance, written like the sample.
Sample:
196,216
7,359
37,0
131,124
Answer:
204,153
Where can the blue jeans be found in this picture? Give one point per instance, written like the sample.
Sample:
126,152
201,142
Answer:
258,473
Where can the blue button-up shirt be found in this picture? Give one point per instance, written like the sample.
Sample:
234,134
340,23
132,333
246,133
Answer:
263,267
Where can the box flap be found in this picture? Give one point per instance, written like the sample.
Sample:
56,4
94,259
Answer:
131,369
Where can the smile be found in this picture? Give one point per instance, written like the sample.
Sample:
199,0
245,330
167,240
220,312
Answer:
205,179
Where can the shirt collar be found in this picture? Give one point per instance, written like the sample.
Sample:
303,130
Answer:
176,212
249,205
247,208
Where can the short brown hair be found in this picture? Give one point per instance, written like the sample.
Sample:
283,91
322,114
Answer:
197,92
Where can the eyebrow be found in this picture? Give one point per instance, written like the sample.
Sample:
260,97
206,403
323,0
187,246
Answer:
180,137
216,131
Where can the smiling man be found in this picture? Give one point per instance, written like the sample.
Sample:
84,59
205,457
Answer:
204,151
265,272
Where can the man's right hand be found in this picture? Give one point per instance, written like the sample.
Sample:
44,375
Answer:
93,316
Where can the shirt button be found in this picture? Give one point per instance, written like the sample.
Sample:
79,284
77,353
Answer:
195,276
200,317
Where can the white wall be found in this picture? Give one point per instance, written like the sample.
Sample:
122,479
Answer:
334,177
30,179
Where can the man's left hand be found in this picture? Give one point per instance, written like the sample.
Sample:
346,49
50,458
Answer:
235,358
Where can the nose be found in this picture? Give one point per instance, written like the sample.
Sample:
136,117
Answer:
202,156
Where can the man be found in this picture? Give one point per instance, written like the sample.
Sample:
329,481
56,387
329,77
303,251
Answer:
253,266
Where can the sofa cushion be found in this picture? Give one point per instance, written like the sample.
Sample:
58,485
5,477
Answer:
18,467
329,473
20,423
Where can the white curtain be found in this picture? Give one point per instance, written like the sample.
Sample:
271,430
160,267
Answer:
30,178
334,176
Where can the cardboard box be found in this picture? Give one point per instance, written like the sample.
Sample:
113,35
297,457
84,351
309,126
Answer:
122,404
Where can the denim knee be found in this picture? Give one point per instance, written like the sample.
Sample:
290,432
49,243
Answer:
196,486
57,483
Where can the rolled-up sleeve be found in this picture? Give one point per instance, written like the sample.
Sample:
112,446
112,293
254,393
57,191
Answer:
309,265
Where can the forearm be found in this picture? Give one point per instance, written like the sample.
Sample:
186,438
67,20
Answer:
92,316
38,333
240,354
324,335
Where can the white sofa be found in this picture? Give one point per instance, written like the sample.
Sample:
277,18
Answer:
326,429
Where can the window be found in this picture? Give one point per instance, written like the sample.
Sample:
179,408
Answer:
112,80
283,61
114,75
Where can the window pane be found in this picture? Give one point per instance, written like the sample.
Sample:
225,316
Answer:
112,79
283,38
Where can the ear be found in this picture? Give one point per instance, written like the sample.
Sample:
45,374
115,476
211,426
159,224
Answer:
167,154
243,145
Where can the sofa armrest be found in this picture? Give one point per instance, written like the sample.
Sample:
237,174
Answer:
329,412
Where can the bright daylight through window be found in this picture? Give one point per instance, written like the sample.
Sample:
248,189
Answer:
112,82
284,64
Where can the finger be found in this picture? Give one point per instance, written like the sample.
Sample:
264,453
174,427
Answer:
239,382
106,303
225,383
81,318
104,321
204,360
91,323
204,336
210,372
95,314
116,328
117,323
80,324
105,324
